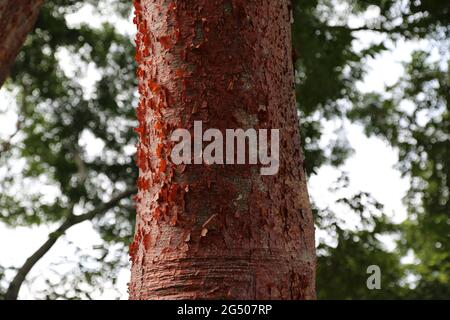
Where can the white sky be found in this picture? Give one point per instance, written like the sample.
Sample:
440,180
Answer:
370,169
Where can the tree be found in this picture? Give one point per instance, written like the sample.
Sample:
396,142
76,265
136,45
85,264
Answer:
56,110
88,189
17,18
218,231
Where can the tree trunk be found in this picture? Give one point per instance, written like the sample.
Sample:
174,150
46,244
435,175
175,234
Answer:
218,231
17,19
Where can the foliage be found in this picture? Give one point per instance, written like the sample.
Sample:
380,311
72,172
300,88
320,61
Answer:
422,135
328,67
58,178
58,110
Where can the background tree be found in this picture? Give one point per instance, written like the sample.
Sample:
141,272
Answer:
17,20
57,112
216,231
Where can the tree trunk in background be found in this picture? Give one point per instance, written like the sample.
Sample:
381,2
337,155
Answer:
218,231
17,19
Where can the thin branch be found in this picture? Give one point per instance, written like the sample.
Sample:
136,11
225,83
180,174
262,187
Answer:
394,29
81,166
14,287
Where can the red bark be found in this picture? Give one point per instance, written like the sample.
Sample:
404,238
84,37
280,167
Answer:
218,231
17,19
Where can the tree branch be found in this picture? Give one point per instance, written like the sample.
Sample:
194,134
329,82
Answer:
14,287
17,19
401,28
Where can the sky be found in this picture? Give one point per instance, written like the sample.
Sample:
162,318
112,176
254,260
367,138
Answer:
370,168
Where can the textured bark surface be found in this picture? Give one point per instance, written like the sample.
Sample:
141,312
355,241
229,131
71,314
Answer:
218,231
17,19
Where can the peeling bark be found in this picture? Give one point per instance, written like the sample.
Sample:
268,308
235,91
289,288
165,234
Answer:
218,231
17,19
